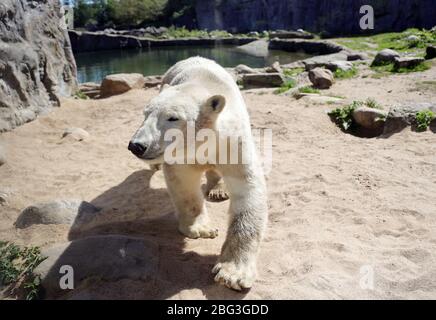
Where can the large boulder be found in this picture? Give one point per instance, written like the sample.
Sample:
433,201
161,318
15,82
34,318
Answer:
321,78
258,48
56,212
262,80
370,118
430,52
402,116
283,34
119,83
385,56
37,66
339,65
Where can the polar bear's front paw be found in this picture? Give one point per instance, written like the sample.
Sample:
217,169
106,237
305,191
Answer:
196,231
218,192
235,276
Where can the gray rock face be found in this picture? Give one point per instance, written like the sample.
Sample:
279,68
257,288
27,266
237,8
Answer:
262,80
430,52
321,78
36,62
332,16
109,258
384,57
56,212
400,117
369,118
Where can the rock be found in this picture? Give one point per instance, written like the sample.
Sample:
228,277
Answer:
321,78
324,60
152,81
353,56
258,48
385,56
90,89
56,212
243,69
407,62
120,83
318,99
412,38
3,198
274,68
341,65
254,34
369,118
282,34
2,156
76,133
402,116
308,46
430,52
37,66
107,258
262,80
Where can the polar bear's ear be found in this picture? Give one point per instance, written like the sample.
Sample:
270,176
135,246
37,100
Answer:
164,86
216,103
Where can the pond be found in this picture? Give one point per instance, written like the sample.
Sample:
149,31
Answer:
94,66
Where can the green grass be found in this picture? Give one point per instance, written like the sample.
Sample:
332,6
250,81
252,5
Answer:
293,72
308,89
393,40
346,74
289,84
16,270
423,119
372,103
183,32
390,68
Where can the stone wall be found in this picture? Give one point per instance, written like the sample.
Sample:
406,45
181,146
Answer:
37,66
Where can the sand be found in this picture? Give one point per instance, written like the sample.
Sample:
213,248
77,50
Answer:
340,207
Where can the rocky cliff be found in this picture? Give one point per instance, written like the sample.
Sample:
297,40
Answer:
36,62
336,17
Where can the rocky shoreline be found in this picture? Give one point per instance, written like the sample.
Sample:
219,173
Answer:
85,41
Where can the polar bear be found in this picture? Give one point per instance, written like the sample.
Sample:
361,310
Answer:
200,91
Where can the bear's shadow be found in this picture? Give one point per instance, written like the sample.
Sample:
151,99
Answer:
133,209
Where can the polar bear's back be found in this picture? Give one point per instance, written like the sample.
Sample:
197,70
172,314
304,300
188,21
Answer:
200,69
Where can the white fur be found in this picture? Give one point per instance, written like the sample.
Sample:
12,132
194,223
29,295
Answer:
187,87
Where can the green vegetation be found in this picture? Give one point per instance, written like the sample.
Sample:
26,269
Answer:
308,89
346,74
289,84
293,72
395,40
344,116
16,270
423,119
80,95
129,13
390,68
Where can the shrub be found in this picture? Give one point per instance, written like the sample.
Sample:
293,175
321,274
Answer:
346,74
308,89
289,84
423,119
16,269
344,116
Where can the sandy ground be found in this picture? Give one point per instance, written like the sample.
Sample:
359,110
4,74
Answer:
339,205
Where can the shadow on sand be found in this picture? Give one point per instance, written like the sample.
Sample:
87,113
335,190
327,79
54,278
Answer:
134,251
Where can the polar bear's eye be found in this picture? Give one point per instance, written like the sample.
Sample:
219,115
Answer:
172,119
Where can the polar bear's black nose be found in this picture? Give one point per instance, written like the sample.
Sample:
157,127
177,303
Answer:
137,148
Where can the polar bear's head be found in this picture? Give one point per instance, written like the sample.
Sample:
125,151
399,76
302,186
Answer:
173,108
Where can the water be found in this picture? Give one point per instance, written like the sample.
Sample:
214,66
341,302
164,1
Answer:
94,66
